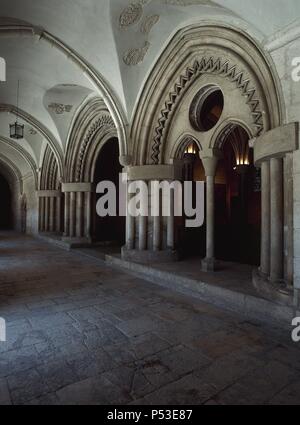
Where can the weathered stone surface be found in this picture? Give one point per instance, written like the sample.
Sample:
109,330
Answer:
132,343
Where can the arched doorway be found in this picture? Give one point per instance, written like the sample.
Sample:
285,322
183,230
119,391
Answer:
6,222
108,230
237,201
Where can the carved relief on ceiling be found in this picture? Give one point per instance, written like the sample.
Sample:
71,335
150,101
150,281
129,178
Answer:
136,56
59,108
131,15
148,23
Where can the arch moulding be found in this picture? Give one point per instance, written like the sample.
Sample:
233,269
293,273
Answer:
194,53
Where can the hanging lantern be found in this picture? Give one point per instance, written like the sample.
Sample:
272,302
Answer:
16,130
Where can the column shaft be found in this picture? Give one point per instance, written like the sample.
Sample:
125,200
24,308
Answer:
58,214
79,214
142,233
130,226
170,224
265,219
72,214
88,201
51,214
276,170
67,215
210,217
47,214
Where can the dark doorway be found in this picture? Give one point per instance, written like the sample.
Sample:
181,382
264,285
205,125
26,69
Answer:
6,222
110,230
238,202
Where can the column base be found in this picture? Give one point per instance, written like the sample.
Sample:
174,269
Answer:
278,291
149,257
209,265
77,242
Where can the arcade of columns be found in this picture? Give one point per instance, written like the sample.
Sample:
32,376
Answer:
154,238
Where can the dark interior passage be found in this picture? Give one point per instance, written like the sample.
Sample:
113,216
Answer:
238,203
108,229
6,221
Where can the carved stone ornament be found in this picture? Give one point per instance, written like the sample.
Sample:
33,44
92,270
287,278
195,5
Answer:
135,56
131,15
59,108
149,23
199,67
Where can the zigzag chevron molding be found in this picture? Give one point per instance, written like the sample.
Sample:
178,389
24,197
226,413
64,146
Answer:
206,66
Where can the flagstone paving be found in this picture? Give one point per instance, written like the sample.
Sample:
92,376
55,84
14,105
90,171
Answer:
79,332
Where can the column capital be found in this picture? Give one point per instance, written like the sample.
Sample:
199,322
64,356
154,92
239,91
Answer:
125,160
210,161
48,193
76,187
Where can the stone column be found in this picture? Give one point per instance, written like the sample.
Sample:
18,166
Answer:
67,215
210,167
156,199
265,219
276,175
130,225
171,224
47,209
79,214
88,202
51,214
58,214
72,214
42,214
143,233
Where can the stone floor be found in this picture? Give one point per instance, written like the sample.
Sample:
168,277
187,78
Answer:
82,333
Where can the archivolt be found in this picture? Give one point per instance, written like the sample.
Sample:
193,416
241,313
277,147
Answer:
25,155
21,28
12,172
194,51
192,73
92,125
50,173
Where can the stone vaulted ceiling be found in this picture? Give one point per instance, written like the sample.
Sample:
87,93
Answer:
120,39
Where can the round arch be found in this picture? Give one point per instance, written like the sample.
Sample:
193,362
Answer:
92,127
194,53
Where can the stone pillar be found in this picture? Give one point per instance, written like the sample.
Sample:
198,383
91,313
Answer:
51,213
130,225
88,202
171,224
47,214
151,239
67,215
265,219
49,210
58,214
143,233
210,167
156,199
276,175
42,214
77,213
72,214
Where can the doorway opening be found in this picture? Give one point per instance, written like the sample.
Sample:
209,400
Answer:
238,202
6,213
108,230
